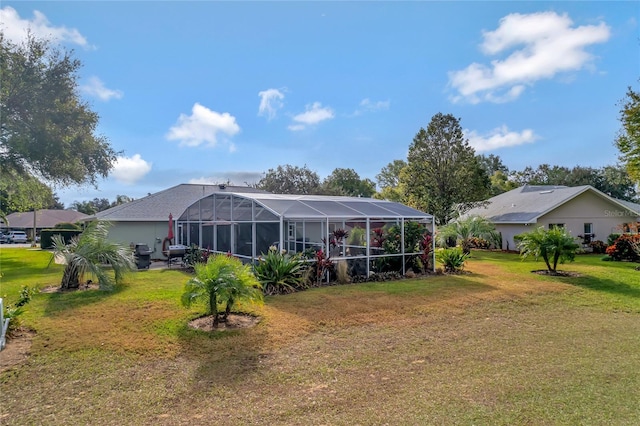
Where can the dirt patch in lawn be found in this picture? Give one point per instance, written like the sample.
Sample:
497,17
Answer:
17,350
234,322
58,289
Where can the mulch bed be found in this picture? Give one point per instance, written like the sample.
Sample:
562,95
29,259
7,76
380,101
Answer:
234,322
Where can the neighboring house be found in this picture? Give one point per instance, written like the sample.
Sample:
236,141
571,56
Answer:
146,220
42,219
582,210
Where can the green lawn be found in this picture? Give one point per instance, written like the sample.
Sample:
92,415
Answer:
498,345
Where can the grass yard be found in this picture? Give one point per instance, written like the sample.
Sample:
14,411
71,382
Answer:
496,346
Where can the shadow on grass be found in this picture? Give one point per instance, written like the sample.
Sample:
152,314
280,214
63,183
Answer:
604,285
60,302
221,356
227,356
364,302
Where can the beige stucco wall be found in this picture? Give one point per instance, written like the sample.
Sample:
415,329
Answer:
508,232
149,233
606,218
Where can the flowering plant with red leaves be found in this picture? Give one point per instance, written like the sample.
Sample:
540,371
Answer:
625,248
426,245
323,264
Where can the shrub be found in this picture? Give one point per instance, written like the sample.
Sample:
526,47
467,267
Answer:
67,225
195,254
13,312
479,243
279,272
46,236
452,259
611,239
598,247
624,248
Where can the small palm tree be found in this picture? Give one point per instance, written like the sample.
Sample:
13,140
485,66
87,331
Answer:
222,281
464,229
555,246
89,253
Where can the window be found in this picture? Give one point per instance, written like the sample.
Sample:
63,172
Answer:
588,233
556,225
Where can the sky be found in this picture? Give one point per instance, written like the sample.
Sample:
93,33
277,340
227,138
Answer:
212,92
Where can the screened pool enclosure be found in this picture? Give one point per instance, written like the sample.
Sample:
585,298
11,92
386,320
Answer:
371,235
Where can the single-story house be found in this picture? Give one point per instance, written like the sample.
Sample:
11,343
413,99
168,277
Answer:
41,219
146,220
583,210
246,222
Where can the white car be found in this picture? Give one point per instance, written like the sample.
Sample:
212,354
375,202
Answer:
14,237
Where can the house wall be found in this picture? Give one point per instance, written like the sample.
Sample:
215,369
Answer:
508,231
606,218
149,233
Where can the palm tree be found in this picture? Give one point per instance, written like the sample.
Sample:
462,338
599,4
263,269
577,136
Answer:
89,253
555,246
223,280
464,229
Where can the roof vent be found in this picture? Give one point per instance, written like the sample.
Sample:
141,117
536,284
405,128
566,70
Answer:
222,185
547,192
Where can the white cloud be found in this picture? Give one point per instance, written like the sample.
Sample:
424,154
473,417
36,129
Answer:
539,46
374,106
202,127
95,87
313,114
367,105
129,170
499,137
16,29
270,103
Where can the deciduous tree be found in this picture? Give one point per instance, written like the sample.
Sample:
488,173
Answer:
21,193
290,179
612,180
46,129
47,133
348,182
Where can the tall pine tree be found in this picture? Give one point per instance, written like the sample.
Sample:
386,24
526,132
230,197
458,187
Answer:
443,176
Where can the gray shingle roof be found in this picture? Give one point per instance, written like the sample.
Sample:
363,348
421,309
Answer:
45,218
175,200
527,203
631,206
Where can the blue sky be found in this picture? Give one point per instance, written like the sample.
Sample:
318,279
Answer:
216,91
